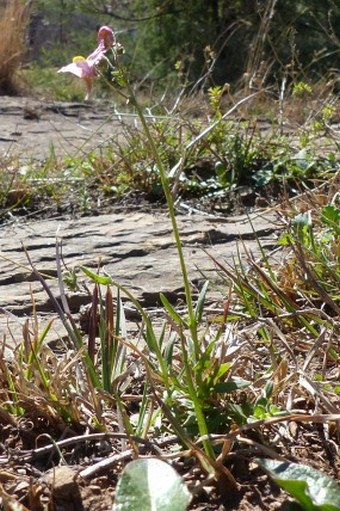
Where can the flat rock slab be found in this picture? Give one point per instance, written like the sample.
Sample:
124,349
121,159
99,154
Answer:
137,250
35,130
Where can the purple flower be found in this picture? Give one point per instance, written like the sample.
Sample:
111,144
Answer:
85,68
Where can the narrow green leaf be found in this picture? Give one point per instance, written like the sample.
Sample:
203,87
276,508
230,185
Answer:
231,385
150,485
169,348
98,279
169,308
314,490
330,216
200,302
222,369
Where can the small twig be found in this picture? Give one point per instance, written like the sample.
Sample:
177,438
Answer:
106,463
314,349
271,323
318,418
266,450
41,451
116,458
312,388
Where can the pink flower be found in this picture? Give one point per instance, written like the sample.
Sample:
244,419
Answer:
106,37
86,68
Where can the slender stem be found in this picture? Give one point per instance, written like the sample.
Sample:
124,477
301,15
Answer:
202,424
170,204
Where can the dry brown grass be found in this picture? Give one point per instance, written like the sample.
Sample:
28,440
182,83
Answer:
14,16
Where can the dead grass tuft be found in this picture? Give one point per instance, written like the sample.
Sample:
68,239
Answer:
13,21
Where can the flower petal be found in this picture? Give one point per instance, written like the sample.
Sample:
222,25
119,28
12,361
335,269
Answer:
106,36
86,68
89,86
82,69
96,55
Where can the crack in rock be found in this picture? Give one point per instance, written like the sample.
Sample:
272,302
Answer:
137,250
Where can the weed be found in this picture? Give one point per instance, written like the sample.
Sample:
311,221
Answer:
302,90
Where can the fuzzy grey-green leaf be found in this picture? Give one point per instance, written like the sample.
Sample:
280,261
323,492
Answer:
150,485
314,490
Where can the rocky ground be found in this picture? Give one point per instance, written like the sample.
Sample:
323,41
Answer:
136,249
135,246
31,129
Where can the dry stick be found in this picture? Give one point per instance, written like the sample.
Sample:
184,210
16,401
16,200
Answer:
311,387
319,418
116,458
281,104
326,355
270,322
266,450
315,347
41,451
106,463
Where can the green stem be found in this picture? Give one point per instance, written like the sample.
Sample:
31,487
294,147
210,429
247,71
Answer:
170,204
202,424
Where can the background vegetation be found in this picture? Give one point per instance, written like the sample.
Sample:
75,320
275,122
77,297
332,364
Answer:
250,43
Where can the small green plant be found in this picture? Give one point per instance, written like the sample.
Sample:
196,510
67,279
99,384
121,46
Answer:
320,123
215,96
314,490
302,90
316,247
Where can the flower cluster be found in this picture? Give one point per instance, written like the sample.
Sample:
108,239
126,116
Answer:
86,68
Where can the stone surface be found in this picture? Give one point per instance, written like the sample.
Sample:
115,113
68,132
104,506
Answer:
136,249
64,488
32,129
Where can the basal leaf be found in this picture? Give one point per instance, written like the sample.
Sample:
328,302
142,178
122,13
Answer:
200,302
231,385
150,485
314,490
